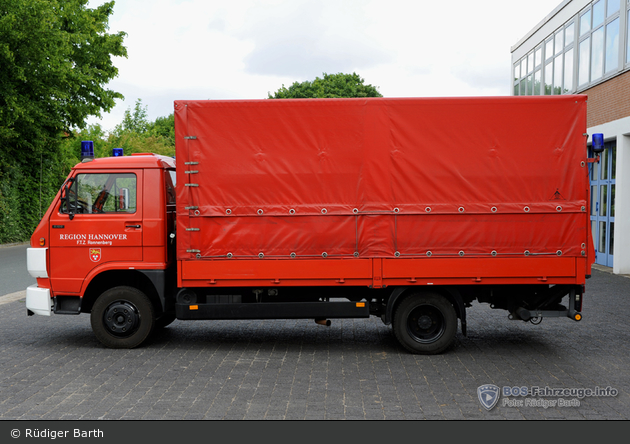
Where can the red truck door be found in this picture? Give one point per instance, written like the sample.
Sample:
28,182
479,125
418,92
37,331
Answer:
98,221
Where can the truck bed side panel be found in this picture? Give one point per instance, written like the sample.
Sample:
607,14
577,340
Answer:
428,178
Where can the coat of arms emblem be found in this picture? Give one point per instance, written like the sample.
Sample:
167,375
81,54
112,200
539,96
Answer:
95,254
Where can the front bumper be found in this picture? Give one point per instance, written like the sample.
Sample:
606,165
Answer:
38,301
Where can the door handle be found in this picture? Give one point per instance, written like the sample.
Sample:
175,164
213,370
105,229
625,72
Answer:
133,226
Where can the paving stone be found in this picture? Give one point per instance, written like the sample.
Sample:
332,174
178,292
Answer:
54,368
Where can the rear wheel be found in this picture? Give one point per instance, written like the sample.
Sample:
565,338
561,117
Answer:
425,323
122,317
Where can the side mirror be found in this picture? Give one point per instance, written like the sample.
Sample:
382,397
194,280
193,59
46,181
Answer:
65,197
123,199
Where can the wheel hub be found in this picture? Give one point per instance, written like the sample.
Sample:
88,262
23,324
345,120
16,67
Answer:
426,324
121,318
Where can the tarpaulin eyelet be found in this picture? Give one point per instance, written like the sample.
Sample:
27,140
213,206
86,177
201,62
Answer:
324,211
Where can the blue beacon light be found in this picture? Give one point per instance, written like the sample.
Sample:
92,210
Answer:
598,143
117,152
87,151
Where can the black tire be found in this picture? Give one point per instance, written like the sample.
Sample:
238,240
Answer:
122,317
425,323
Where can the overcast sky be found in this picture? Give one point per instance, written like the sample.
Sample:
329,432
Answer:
243,49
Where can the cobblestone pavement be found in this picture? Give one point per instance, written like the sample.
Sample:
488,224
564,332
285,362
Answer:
54,368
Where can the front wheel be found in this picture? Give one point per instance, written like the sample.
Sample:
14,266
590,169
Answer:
425,323
122,317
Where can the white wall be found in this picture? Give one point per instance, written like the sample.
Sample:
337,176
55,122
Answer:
620,130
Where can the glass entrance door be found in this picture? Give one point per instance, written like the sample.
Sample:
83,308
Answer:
603,204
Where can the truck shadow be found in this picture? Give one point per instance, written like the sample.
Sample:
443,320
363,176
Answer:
300,335
358,335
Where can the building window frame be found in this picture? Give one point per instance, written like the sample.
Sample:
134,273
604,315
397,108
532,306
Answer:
547,76
595,36
595,47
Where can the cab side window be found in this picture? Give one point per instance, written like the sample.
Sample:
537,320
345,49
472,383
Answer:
101,193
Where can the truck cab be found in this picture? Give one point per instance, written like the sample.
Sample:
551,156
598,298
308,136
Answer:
111,226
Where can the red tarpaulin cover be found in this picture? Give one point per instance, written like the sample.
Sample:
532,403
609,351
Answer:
382,177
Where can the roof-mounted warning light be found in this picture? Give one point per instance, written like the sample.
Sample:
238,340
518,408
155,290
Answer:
117,152
87,151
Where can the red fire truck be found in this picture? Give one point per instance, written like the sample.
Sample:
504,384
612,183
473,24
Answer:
408,209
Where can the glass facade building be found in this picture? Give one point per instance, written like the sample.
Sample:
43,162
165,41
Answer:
590,47
583,47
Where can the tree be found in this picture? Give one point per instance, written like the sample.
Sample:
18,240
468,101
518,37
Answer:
332,85
164,127
135,134
55,60
135,122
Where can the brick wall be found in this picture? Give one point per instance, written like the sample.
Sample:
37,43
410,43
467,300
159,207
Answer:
608,101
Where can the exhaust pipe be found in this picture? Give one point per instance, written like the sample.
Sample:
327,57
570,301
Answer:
325,322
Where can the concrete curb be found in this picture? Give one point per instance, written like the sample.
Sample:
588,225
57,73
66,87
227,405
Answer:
12,297
14,245
608,270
